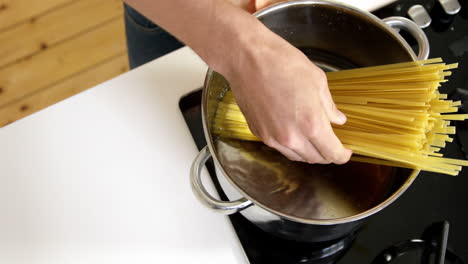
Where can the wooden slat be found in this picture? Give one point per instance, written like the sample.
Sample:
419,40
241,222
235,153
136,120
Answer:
55,26
61,61
16,11
73,85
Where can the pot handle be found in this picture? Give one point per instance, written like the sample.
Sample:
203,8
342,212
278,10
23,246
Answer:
414,30
202,194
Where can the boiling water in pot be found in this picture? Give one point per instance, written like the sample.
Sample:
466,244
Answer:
327,61
305,190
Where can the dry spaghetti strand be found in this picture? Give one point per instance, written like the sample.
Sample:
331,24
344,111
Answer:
396,115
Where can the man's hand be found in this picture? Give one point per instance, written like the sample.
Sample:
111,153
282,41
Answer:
286,101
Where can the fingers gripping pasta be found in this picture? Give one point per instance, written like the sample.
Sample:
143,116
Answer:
396,115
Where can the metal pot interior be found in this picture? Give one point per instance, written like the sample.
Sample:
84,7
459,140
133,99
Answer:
334,37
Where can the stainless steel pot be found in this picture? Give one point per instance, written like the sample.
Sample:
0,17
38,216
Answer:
300,201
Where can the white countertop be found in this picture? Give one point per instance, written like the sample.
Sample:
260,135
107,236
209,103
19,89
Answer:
369,5
103,177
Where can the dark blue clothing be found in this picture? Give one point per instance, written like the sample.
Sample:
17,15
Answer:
145,40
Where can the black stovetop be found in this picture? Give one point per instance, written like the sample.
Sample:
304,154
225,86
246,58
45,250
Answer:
431,204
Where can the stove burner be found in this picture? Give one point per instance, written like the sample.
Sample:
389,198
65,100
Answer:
433,246
324,254
286,251
256,243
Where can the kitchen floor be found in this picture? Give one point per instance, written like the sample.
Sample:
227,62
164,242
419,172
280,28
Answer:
53,49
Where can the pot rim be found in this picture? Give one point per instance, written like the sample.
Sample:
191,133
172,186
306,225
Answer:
209,138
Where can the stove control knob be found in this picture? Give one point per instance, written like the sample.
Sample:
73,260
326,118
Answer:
420,16
450,7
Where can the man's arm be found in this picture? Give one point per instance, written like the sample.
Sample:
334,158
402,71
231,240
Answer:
283,95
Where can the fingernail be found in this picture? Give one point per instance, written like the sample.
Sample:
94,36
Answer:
341,116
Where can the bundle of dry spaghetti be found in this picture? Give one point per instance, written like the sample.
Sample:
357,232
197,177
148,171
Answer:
396,115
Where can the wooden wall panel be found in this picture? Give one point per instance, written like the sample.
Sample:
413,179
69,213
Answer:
62,90
61,61
13,12
54,27
53,49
